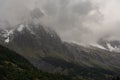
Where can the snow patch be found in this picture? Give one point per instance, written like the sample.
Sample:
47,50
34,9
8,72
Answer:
111,48
20,28
81,44
98,46
7,40
7,33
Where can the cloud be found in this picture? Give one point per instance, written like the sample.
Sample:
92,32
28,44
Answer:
109,26
83,21
68,16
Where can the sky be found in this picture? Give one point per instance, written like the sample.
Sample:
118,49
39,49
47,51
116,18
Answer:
82,21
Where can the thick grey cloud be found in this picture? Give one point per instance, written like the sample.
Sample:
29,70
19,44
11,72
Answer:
83,21
71,18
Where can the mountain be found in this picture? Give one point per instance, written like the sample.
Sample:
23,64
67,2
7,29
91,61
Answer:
16,67
46,51
31,38
111,45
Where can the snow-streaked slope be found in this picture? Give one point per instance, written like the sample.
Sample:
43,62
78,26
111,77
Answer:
98,46
8,34
112,46
45,43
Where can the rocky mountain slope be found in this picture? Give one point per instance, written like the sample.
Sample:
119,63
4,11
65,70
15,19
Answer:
45,50
15,67
111,45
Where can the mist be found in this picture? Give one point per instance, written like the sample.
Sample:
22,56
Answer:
81,21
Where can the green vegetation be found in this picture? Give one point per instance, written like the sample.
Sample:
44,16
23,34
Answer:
15,67
116,78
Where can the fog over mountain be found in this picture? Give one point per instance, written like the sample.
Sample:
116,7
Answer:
82,21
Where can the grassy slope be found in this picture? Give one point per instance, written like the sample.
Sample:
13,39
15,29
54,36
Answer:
15,67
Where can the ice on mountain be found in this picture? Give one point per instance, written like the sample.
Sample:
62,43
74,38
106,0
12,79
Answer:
7,33
20,28
7,40
111,48
98,46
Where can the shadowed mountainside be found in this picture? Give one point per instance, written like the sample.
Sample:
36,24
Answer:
15,67
45,50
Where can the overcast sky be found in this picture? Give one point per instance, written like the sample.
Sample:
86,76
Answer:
84,21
